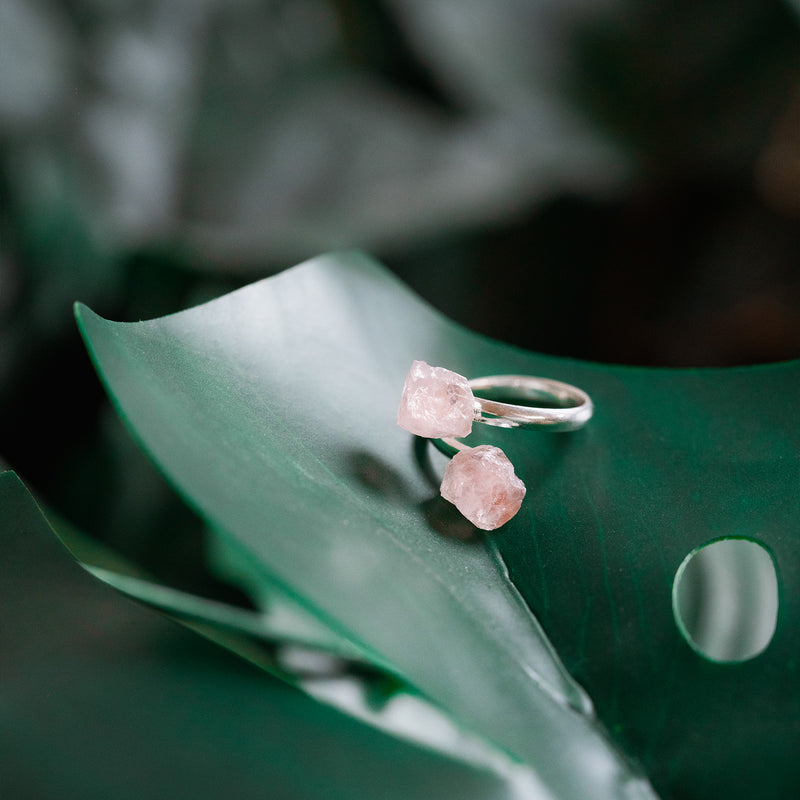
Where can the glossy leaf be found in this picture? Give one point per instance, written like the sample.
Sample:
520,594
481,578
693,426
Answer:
272,409
100,697
279,617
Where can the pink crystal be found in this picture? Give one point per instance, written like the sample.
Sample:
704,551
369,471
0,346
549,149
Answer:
436,402
481,483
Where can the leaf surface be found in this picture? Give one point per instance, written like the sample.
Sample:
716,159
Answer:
272,410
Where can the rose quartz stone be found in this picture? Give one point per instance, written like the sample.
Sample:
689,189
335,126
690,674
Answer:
480,482
436,402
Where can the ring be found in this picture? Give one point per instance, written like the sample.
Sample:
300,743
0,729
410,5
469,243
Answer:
480,481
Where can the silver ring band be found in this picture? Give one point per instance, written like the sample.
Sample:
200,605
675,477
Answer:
573,407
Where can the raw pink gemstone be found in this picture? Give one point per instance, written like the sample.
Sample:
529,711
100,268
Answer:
436,402
480,482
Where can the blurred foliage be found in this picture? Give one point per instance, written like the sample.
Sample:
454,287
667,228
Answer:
613,180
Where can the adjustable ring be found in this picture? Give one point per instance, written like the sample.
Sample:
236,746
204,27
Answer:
480,481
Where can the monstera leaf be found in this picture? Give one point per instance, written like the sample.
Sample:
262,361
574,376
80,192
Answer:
272,411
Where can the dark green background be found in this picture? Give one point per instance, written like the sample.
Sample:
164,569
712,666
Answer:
687,257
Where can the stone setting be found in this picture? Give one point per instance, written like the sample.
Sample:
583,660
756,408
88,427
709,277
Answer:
480,482
437,403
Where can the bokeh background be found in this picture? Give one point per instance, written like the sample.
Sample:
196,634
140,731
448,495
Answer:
606,179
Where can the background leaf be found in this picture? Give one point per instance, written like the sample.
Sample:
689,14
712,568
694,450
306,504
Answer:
102,698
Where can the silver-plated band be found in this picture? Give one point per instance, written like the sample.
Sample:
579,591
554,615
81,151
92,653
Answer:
568,407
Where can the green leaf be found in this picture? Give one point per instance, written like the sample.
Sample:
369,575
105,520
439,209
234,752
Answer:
272,410
279,619
102,698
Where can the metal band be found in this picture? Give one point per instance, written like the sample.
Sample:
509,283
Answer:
573,407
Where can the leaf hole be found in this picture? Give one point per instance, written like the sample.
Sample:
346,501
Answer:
725,599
